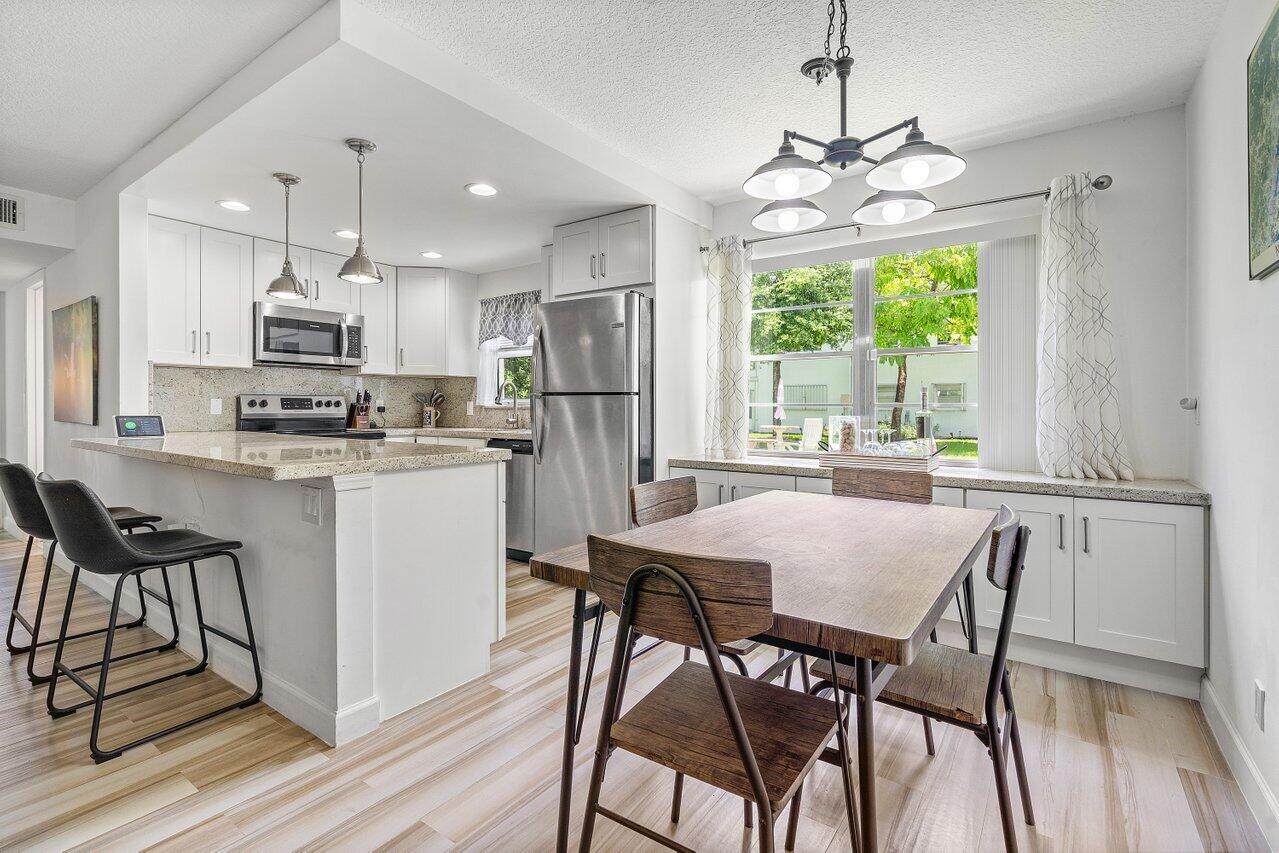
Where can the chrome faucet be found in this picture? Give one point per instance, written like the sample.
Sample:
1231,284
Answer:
513,419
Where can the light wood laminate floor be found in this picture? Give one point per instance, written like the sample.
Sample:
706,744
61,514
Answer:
1113,768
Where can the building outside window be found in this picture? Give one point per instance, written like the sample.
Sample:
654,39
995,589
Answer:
874,334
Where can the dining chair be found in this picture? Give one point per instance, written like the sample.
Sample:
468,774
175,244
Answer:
961,688
751,738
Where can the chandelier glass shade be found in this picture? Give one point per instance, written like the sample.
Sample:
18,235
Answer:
893,207
916,165
788,175
359,268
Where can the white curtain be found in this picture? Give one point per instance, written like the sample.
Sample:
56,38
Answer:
1077,430
486,380
728,328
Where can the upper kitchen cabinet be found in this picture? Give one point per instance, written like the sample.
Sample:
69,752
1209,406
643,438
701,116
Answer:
226,299
199,295
435,313
377,304
327,292
173,291
268,260
605,252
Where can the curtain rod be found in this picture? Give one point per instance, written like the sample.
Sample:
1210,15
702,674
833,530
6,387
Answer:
1101,182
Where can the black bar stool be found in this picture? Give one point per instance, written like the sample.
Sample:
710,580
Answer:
89,537
18,484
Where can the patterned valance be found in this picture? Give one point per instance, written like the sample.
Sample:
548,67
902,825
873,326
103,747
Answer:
509,316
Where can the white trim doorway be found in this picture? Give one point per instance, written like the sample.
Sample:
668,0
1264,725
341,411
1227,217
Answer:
35,375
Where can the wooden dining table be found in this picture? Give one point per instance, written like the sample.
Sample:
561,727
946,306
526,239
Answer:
861,581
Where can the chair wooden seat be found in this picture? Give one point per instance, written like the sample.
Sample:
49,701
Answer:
942,681
741,648
681,724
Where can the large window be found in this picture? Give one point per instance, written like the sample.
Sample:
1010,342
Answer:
866,338
514,365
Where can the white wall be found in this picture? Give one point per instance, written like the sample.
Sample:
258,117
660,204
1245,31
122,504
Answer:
1143,241
679,357
49,220
514,280
1233,363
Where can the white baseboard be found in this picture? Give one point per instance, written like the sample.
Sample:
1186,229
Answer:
1160,676
333,726
1261,799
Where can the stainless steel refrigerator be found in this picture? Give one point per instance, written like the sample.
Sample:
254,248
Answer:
592,414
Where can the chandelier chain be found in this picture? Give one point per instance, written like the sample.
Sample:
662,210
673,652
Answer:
843,31
830,33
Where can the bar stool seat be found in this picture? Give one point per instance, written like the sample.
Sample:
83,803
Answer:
126,517
171,546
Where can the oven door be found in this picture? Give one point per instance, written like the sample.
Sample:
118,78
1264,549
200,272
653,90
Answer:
287,335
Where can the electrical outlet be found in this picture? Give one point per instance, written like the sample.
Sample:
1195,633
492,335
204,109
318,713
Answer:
215,405
1259,705
470,408
311,503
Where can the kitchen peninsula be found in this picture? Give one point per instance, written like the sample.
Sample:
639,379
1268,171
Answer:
375,569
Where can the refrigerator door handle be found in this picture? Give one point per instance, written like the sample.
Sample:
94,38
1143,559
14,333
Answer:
535,424
539,359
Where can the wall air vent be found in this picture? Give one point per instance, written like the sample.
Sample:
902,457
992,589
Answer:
11,213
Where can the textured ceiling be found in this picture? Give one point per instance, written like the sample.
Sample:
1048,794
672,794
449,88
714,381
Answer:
86,83
700,91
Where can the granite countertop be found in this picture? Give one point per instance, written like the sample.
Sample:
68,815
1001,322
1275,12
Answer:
266,456
1148,490
463,432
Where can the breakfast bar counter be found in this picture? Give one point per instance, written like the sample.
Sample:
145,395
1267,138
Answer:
375,570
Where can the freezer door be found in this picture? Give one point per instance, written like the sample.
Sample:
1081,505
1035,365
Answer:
587,345
584,454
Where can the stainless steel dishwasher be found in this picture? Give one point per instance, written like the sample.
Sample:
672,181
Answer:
519,497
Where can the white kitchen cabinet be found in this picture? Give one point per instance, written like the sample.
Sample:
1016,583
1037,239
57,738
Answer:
625,248
422,308
1046,600
814,485
712,486
743,485
574,257
948,496
173,291
226,299
268,261
609,251
377,304
1139,579
327,291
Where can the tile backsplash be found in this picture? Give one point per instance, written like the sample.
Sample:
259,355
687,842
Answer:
183,394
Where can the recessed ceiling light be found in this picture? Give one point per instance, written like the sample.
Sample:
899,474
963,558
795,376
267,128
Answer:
232,204
431,254
346,234
481,189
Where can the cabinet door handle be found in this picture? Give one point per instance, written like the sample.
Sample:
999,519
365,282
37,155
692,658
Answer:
208,342
1061,530
720,499
592,266
1085,534
317,288
401,356
602,273
193,342
732,493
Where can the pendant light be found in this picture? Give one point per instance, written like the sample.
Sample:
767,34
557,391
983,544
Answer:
915,165
787,175
893,207
359,268
786,215
286,284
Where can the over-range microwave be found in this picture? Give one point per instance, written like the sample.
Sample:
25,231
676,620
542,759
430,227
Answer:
286,335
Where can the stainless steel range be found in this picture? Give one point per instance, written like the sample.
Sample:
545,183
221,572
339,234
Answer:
319,415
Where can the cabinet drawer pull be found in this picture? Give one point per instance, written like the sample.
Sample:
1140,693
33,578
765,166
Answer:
732,492
401,356
1061,530
208,343
720,499
592,266
602,273
1085,534
193,342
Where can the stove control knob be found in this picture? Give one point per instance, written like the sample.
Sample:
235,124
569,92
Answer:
262,403
253,404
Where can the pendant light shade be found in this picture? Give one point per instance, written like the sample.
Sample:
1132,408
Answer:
787,176
359,268
893,207
788,215
286,285
916,164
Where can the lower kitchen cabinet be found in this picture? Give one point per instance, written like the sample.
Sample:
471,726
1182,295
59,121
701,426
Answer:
717,487
1139,579
1046,601
744,485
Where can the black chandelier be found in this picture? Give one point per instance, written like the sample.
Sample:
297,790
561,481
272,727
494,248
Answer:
899,176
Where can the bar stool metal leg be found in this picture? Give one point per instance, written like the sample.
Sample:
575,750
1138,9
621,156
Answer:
14,615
